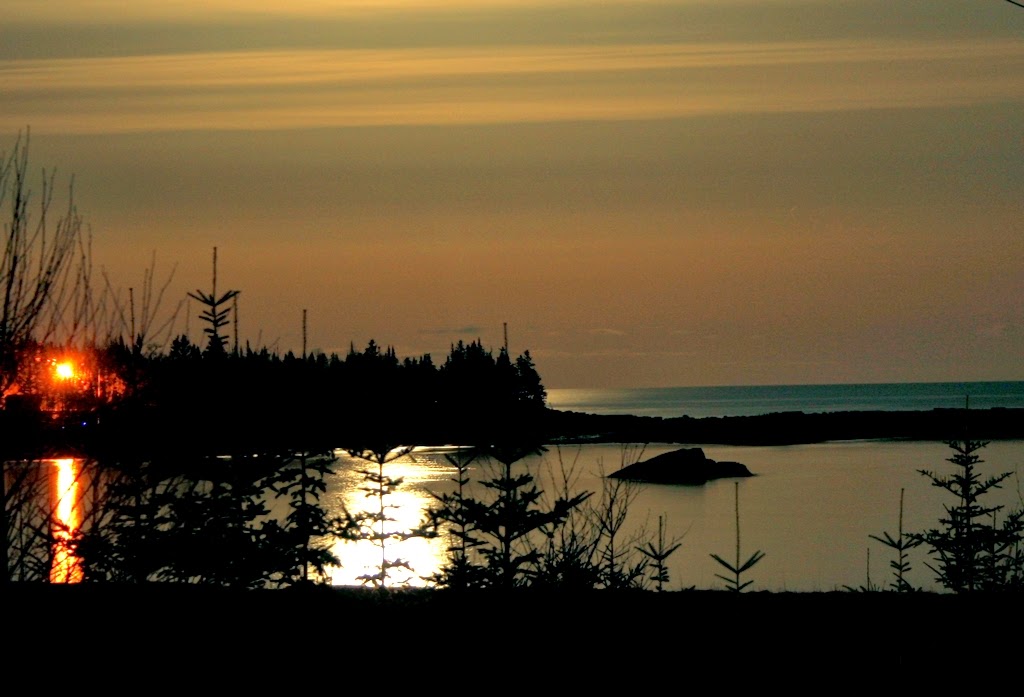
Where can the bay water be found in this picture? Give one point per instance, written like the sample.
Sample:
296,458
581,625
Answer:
734,400
811,509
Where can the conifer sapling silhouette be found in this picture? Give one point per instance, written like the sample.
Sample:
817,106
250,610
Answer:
901,544
658,551
500,528
215,315
733,582
973,550
373,525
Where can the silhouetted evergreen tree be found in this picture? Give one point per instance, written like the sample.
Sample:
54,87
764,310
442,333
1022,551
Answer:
183,350
974,550
502,531
531,391
374,524
202,522
304,539
215,314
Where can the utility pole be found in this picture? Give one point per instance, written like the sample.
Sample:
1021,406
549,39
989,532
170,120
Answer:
131,306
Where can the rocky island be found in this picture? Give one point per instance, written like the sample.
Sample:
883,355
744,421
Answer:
689,466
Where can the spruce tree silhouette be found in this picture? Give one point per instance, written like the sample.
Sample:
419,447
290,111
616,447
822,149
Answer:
973,551
500,529
374,524
215,315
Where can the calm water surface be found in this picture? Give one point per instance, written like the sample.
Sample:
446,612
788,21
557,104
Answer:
810,508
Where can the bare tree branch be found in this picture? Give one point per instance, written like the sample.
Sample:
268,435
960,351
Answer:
39,281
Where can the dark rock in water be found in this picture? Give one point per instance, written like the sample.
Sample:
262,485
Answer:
683,466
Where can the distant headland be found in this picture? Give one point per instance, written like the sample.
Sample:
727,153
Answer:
788,428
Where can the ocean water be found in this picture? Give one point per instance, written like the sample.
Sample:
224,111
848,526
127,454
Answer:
698,402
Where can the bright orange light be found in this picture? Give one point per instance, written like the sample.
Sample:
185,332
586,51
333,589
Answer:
64,371
66,567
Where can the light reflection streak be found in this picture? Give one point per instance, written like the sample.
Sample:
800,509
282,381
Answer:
406,506
67,518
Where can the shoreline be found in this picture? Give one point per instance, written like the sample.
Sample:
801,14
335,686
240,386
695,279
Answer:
787,428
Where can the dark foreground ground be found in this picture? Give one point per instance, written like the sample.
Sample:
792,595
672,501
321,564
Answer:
582,639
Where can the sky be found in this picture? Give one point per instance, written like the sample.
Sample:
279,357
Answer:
644,193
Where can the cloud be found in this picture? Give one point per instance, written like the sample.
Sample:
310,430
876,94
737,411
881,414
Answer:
612,353
468,330
254,90
88,11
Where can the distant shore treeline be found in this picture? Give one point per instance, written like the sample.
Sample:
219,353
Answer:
790,428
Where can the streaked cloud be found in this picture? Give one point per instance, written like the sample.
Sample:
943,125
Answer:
105,10
309,89
471,329
88,10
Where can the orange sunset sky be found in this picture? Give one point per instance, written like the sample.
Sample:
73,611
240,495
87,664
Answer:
649,193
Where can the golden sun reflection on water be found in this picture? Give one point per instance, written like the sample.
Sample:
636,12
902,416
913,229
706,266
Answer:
422,471
67,515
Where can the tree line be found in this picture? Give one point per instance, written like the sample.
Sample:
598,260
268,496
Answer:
233,401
